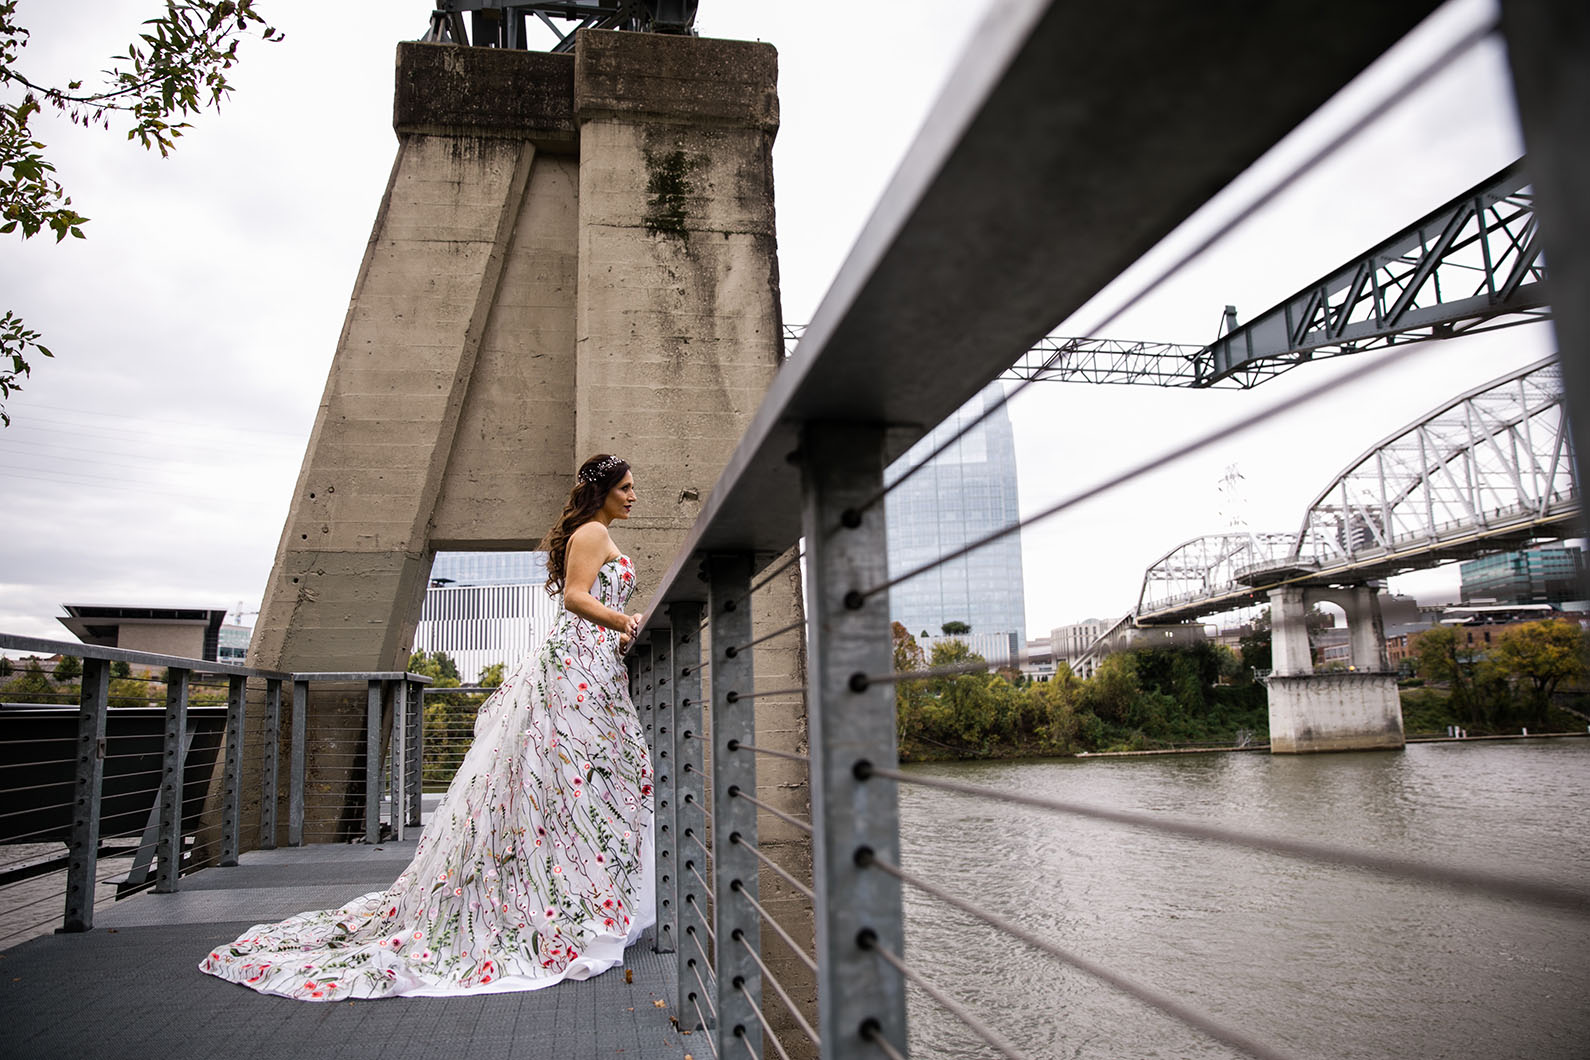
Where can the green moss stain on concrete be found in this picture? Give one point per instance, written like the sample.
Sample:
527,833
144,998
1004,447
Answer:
668,184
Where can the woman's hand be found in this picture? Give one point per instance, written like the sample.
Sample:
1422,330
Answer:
631,628
623,642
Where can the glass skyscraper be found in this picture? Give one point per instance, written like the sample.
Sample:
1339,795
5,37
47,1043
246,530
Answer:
966,492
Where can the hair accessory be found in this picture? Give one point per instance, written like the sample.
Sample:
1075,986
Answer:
599,470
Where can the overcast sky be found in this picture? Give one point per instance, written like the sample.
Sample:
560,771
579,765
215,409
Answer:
153,460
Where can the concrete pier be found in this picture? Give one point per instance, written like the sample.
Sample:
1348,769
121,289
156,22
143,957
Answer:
1353,710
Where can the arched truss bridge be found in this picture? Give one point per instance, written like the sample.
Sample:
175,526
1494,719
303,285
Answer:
1491,469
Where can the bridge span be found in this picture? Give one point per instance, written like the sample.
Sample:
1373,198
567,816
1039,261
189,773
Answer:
1489,470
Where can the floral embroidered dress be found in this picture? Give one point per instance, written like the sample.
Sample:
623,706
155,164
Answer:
535,868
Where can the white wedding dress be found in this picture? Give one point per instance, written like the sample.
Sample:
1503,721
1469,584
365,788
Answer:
535,868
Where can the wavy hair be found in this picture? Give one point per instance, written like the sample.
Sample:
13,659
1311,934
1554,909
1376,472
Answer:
596,477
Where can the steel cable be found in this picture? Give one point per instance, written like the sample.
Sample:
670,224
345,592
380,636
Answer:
738,888
741,745
767,1030
1394,357
997,1041
736,793
772,980
775,866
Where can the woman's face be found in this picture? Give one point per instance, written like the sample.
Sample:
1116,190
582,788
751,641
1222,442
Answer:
621,498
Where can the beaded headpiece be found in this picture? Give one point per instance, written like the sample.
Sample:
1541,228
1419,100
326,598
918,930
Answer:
599,470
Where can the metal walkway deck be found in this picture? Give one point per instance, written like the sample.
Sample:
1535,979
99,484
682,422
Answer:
131,988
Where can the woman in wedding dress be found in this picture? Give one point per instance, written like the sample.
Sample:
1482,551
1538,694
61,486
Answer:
537,865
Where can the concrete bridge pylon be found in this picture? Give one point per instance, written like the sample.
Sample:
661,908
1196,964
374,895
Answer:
575,253
1356,709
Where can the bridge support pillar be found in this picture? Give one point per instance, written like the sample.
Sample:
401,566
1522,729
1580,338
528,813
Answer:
1354,710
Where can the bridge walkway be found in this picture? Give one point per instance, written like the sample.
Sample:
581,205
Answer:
131,988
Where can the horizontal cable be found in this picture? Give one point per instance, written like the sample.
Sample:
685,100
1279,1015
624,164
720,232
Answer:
741,745
735,697
767,1030
702,665
736,793
1325,151
736,649
997,1041
30,928
1164,1003
1495,884
1393,357
36,809
53,896
775,866
767,918
874,1034
772,980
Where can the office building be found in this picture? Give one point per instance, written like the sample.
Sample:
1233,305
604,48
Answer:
1551,575
960,495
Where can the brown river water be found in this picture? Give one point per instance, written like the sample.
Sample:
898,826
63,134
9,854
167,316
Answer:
1318,961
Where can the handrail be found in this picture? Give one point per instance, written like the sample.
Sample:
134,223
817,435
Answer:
167,788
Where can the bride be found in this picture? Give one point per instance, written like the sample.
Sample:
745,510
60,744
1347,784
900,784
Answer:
537,865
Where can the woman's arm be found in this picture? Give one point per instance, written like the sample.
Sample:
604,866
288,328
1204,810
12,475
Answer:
590,547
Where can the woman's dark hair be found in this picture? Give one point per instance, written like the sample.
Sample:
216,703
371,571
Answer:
597,476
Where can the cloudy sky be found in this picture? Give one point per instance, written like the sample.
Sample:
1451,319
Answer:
151,462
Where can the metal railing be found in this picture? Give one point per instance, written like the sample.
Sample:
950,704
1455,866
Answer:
870,376
108,776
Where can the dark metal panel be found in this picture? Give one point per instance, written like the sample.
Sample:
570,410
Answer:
1548,45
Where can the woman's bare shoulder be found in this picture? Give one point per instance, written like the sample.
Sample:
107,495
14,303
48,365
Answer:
592,537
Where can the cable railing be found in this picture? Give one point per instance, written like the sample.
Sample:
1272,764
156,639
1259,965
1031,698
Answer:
127,772
833,418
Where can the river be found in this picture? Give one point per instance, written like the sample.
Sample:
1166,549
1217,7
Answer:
1321,962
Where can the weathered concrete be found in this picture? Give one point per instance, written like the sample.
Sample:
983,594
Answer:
574,254
1340,711
1335,711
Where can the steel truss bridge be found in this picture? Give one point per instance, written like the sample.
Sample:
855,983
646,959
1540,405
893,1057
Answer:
1472,265
1490,470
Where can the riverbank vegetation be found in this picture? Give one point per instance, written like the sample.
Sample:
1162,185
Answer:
1205,695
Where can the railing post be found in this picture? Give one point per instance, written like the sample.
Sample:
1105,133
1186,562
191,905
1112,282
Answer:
168,844
232,781
684,653
842,465
396,786
270,744
295,767
416,749
87,784
660,743
648,689
734,868
372,763
690,827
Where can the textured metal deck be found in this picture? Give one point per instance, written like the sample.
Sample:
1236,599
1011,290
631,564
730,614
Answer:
131,988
